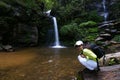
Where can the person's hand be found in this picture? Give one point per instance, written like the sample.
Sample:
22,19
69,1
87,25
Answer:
83,56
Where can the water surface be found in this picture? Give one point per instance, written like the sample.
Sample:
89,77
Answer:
39,64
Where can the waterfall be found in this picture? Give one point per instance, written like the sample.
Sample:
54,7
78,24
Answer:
105,12
57,42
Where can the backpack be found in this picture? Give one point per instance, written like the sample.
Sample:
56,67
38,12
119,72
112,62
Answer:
97,50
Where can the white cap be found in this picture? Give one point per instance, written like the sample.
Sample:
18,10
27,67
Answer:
78,43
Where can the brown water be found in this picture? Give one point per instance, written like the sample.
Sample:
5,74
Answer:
39,64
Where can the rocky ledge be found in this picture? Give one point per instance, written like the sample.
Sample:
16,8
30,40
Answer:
107,72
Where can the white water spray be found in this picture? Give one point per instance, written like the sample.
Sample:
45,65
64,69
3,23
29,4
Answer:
105,12
57,42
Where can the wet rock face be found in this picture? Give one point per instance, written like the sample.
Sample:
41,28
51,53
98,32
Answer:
28,35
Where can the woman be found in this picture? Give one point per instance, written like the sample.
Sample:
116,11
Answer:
86,56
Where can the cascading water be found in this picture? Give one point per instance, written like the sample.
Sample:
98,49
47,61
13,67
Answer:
57,42
105,12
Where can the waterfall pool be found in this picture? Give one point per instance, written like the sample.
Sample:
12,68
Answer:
39,64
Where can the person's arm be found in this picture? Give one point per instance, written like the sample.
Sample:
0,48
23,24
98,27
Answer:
89,54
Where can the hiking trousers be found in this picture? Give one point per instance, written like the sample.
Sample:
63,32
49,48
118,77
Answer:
90,64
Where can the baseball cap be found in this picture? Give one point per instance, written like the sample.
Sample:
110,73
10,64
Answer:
78,43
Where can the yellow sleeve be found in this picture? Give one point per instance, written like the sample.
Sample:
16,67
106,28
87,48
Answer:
89,54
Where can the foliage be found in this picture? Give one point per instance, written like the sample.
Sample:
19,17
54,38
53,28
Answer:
15,12
93,15
88,24
117,38
49,4
113,61
23,10
70,31
86,31
67,10
115,10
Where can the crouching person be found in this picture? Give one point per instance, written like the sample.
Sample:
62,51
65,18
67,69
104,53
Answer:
86,57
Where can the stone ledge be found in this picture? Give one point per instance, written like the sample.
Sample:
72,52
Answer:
110,68
106,72
108,57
